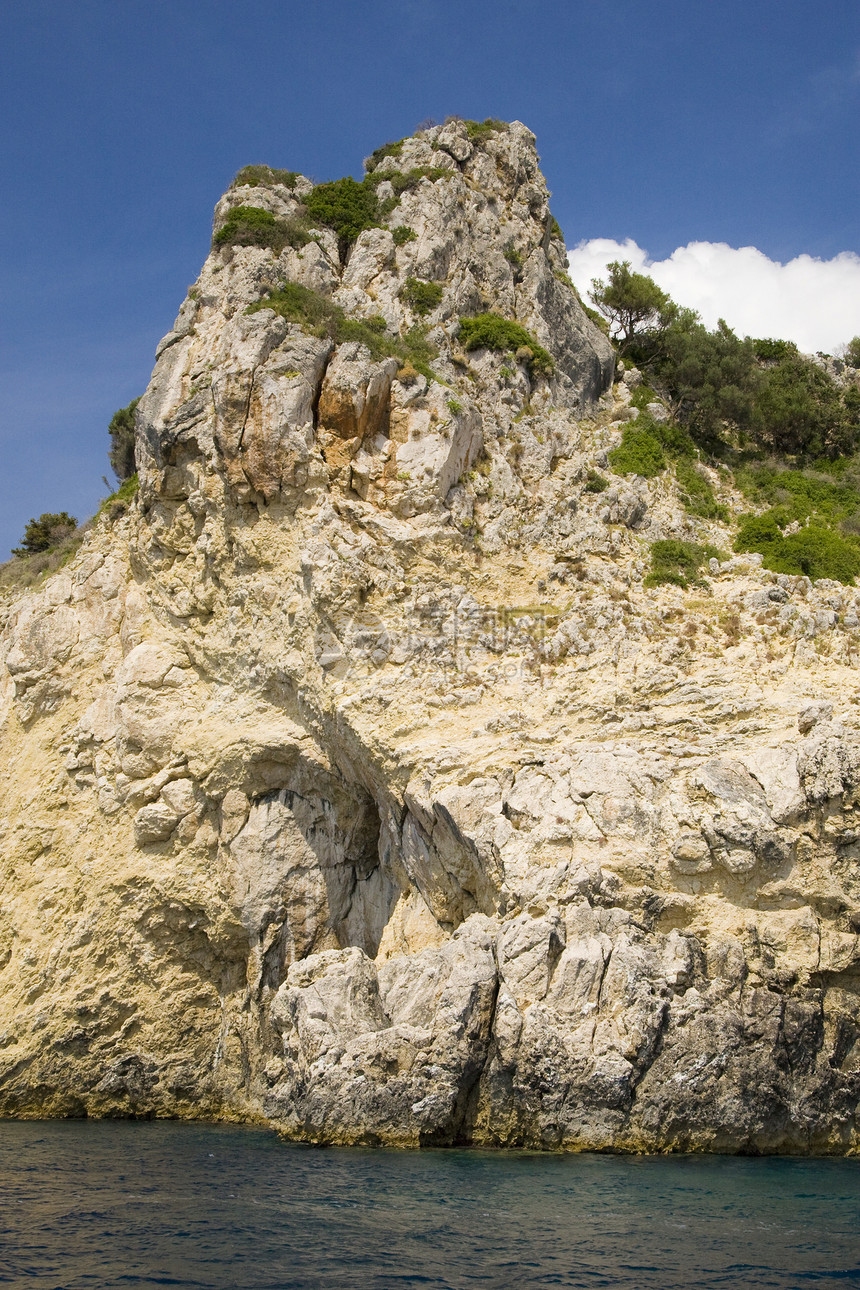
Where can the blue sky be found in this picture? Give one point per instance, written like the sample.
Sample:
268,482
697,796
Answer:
665,122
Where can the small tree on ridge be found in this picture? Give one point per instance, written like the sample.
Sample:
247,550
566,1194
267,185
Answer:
632,303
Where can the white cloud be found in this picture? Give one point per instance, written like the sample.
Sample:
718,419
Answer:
815,303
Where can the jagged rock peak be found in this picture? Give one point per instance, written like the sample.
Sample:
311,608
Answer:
323,343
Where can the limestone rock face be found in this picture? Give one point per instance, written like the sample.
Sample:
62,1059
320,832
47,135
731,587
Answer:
353,782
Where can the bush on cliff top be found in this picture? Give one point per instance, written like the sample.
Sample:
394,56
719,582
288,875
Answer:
254,226
346,206
392,149
264,177
403,182
478,130
350,207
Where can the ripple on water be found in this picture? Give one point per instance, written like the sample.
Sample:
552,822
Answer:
147,1205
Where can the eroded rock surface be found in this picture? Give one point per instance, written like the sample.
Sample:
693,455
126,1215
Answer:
354,782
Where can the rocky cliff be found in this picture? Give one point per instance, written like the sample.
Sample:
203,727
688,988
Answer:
352,781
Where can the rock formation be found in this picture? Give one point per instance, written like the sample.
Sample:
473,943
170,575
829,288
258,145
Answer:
353,782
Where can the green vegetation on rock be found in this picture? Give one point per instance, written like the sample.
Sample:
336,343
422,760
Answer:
770,350
642,396
117,504
648,446
403,182
799,410
812,521
640,451
350,207
815,550
596,318
346,206
479,130
783,424
393,149
264,177
852,352
253,226
322,317
679,563
492,331
697,493
422,297
121,431
645,445
595,482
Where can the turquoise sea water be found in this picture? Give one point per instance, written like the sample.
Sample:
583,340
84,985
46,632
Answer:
120,1204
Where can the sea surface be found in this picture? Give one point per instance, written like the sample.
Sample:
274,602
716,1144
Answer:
119,1204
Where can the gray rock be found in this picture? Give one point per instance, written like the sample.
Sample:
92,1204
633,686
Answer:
811,715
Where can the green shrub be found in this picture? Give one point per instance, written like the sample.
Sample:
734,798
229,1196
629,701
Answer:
674,437
117,504
415,348
712,376
830,490
299,304
824,499
596,318
422,297
403,234
642,396
350,207
264,177
346,206
31,570
480,130
253,226
454,407
403,182
121,431
492,331
647,446
379,154
46,532
771,351
679,563
513,257
555,229
815,550
640,451
595,482
697,494
322,317
764,392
